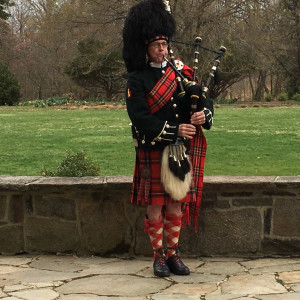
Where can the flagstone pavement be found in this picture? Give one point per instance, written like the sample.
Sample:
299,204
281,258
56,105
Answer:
68,277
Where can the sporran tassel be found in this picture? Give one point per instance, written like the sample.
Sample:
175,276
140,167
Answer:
176,175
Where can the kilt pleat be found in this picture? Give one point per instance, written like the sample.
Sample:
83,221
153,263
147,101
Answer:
147,188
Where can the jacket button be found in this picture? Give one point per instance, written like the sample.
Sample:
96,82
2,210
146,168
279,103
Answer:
177,116
175,105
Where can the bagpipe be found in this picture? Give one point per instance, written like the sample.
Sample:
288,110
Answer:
176,169
183,82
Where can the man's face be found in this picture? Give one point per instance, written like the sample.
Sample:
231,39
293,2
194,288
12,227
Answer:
157,51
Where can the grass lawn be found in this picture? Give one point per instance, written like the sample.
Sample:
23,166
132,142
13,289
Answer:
243,141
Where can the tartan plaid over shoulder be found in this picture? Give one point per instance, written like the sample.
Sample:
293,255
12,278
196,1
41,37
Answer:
162,92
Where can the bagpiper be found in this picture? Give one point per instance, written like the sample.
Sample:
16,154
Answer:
170,145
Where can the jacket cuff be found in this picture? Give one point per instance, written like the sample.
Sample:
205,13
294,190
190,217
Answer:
168,133
208,118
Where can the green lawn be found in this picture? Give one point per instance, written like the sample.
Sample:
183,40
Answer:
243,141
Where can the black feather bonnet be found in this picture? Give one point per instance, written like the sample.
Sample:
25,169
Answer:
145,20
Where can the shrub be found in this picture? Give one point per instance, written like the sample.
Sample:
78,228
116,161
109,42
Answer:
268,97
282,97
225,101
296,97
75,165
9,87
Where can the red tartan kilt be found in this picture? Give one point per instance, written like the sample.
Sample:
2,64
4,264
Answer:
147,187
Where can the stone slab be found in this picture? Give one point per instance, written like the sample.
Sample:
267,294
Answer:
14,260
197,278
50,235
53,205
2,206
224,232
194,289
4,281
57,263
286,218
15,288
251,284
268,262
276,269
115,285
9,269
11,239
119,267
223,268
279,246
2,295
37,276
16,183
288,181
45,294
290,277
295,287
67,183
286,296
94,297
104,225
225,297
174,297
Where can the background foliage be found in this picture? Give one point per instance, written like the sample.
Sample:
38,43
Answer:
9,87
43,38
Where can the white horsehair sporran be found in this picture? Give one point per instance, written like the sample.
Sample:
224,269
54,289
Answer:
176,174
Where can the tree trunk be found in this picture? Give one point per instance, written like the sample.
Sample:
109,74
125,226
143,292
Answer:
277,85
261,83
40,92
251,86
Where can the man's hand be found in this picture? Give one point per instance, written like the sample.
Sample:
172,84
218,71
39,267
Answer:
186,131
198,118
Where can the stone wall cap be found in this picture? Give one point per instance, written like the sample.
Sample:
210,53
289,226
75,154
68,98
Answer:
239,179
16,183
288,180
70,180
119,179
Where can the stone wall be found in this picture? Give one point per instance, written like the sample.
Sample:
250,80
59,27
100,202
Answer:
92,215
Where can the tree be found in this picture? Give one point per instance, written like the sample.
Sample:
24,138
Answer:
97,69
4,4
9,87
289,60
45,35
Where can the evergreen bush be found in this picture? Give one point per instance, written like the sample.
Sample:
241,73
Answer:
296,97
282,97
268,97
75,165
9,87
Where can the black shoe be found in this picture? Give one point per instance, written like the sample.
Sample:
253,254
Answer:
160,266
176,266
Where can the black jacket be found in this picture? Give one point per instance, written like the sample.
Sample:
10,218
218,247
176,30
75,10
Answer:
157,130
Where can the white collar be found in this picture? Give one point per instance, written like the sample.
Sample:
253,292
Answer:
157,65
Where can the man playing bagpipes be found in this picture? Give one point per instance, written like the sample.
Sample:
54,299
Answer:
171,147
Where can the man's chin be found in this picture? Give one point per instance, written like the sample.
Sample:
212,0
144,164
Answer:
160,60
